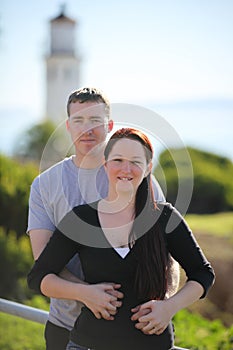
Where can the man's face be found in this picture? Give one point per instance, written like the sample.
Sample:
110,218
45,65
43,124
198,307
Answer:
88,125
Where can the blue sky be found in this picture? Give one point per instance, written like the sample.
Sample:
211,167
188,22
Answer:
175,56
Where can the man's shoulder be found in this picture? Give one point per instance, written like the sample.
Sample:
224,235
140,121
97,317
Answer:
165,207
66,162
53,172
55,168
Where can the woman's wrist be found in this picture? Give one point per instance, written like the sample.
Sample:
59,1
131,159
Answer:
81,290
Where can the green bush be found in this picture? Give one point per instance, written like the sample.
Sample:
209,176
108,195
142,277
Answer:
197,333
15,181
212,178
15,261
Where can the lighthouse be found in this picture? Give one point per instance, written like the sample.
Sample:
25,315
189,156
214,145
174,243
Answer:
62,66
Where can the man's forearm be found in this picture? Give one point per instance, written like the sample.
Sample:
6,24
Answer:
69,276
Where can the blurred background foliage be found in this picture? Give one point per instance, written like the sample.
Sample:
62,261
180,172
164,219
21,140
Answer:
212,176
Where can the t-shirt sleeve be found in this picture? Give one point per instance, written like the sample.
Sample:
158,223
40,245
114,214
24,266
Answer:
184,248
158,193
39,213
59,250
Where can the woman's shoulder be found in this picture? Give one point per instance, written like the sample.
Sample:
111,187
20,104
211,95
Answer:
83,213
169,215
85,208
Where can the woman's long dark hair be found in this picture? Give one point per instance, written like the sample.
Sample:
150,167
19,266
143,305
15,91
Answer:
151,277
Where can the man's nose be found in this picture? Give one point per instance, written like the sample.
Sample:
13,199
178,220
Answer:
87,128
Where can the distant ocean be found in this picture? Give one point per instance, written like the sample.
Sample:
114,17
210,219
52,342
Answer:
206,125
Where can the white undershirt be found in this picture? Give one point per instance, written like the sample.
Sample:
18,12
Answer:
122,251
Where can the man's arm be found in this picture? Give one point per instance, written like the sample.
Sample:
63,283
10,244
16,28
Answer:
39,239
102,298
40,215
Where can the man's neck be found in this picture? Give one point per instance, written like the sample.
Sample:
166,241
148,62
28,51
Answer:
88,162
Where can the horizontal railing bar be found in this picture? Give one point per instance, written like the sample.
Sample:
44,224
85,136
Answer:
23,311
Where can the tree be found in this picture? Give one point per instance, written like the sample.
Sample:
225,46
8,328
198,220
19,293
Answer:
45,144
34,140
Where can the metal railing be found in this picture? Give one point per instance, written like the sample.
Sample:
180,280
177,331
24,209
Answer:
23,311
31,313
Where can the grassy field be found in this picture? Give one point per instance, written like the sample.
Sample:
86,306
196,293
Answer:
19,334
219,225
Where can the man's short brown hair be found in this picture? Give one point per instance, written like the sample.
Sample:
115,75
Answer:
88,94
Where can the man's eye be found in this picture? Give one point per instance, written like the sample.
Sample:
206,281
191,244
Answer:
117,160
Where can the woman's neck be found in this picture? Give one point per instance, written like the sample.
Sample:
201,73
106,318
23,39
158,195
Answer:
117,205
116,219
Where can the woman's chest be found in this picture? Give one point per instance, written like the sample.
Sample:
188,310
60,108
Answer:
107,265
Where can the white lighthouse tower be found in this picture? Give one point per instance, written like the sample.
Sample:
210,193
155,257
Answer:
62,67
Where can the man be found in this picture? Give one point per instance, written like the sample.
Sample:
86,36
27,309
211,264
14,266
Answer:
76,180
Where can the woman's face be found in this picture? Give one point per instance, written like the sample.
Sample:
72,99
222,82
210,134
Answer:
126,166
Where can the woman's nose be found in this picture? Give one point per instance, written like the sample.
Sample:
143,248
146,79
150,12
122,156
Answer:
126,166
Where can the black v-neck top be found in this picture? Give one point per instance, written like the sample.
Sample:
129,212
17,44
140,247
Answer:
80,232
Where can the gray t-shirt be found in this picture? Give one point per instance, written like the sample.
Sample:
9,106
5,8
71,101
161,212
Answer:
55,192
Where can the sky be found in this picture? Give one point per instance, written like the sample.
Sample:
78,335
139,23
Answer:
172,56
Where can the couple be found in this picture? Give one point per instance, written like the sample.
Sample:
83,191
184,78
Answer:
124,247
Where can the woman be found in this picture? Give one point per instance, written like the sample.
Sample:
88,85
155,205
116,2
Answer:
127,239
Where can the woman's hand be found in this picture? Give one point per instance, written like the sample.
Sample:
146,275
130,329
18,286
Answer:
102,299
152,317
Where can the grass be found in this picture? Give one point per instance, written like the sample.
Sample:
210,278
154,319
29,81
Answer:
20,334
220,224
192,332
